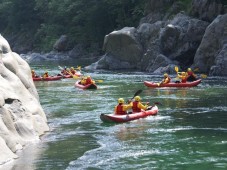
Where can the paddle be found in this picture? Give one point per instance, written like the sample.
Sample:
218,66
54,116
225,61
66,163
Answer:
137,93
195,70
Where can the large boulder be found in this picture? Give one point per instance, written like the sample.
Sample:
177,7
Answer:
180,39
123,50
22,117
211,55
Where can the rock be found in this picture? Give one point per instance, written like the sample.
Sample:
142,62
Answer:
122,48
180,39
207,10
22,117
61,44
211,54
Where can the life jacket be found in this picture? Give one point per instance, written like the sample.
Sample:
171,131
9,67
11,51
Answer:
88,81
184,79
135,107
33,74
119,110
73,71
168,80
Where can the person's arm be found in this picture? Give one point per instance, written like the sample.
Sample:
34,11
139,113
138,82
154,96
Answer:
127,107
141,106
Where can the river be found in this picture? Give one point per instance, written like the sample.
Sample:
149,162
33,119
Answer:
189,132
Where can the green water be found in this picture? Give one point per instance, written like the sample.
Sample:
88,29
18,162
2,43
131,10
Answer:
189,132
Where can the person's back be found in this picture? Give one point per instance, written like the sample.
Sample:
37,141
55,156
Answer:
45,75
137,106
121,109
191,75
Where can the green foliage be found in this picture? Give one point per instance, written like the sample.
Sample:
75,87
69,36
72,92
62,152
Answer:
84,21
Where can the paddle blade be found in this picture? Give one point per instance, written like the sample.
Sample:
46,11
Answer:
157,103
99,81
78,68
196,69
203,76
176,68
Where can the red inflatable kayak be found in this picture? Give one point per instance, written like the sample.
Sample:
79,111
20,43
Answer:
187,84
125,118
51,78
89,86
78,74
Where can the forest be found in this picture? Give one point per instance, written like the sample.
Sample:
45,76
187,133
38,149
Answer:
39,23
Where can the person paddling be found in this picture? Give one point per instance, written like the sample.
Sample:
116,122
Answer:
137,106
191,75
45,75
165,80
183,76
34,75
121,108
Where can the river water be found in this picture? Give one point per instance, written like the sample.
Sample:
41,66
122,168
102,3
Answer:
189,132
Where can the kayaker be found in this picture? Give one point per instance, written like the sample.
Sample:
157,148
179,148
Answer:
34,75
191,75
137,106
121,108
83,80
165,80
65,71
183,76
45,75
89,80
72,70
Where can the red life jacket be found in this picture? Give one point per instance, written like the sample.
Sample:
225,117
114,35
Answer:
135,107
88,81
119,110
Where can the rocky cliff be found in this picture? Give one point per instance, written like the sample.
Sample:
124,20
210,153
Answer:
168,36
22,119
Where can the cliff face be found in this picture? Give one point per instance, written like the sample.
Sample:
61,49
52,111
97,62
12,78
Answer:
22,119
170,37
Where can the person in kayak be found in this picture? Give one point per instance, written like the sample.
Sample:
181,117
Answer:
183,76
45,75
34,75
87,80
121,108
137,105
165,80
191,75
72,70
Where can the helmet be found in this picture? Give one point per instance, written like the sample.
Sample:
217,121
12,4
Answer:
183,73
121,100
165,75
189,69
33,71
72,68
137,98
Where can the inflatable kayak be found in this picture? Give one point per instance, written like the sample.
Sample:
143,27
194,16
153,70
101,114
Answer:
50,78
78,74
187,84
113,118
88,86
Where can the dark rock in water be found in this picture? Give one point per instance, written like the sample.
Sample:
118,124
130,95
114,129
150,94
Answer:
211,55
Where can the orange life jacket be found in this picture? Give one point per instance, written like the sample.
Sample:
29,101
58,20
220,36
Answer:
135,107
119,110
168,79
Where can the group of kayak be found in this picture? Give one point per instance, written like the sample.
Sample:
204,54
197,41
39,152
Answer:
121,111
183,79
